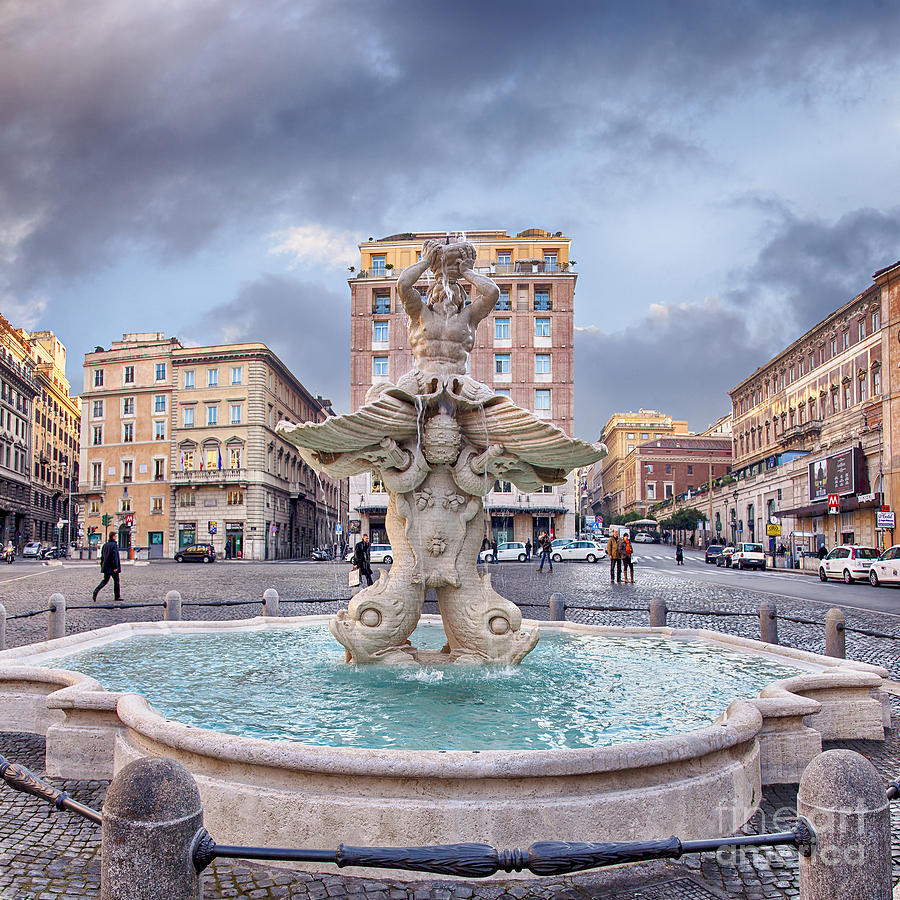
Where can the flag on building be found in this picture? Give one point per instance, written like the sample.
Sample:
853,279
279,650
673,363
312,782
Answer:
220,459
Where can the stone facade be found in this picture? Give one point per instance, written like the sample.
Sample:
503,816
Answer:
179,446
524,349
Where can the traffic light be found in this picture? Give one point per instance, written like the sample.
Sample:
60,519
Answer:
105,519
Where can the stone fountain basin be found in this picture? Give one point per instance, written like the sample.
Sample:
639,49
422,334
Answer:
702,784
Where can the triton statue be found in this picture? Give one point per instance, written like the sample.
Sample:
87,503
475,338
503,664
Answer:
437,439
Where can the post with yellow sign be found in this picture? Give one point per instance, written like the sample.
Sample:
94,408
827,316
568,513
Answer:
773,531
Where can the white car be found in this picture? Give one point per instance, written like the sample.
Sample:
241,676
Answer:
886,569
748,556
558,543
849,561
32,550
642,538
378,553
590,551
506,552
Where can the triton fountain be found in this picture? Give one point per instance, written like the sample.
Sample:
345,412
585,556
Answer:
437,439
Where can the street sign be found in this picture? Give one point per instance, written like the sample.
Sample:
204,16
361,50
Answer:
60,523
834,503
884,520
773,530
338,528
865,498
211,527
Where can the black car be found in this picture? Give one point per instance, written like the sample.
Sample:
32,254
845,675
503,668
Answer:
196,553
712,551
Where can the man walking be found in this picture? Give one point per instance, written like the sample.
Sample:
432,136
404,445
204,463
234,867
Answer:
615,562
546,547
110,566
362,559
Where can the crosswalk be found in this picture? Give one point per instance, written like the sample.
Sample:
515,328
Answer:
670,557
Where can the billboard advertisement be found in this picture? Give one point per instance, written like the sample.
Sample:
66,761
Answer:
844,473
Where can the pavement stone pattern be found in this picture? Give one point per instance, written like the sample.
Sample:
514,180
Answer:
50,854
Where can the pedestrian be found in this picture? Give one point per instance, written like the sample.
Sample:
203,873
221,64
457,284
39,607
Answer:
362,559
627,564
494,550
546,548
227,552
692,538
615,562
110,566
679,555
528,549
823,552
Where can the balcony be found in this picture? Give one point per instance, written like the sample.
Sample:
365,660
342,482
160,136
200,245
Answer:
91,489
205,477
802,430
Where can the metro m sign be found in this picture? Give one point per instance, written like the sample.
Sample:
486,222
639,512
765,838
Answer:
834,503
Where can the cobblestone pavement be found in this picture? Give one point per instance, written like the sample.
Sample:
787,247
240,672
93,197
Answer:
48,854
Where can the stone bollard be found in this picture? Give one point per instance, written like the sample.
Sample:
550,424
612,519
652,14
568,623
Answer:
557,608
56,621
2,627
842,796
173,606
768,622
270,602
835,636
151,820
658,613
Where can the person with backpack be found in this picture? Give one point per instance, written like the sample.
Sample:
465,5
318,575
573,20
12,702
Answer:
625,552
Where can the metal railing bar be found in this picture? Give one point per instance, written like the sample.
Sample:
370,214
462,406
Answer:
21,779
119,605
30,613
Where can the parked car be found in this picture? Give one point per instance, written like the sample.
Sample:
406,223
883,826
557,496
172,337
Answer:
643,537
557,543
32,550
713,551
204,553
381,553
886,569
849,561
723,560
748,556
506,552
589,551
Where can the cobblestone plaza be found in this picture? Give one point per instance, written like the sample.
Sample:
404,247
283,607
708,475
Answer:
45,853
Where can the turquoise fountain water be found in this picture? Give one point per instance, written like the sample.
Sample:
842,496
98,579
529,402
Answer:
573,691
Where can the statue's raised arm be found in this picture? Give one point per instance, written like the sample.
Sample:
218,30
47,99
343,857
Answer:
406,283
488,292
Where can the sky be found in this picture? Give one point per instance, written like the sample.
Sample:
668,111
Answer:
727,171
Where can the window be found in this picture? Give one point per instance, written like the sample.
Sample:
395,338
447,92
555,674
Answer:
128,406
690,470
542,401
235,498
235,413
235,457
645,437
189,417
377,485
501,364
800,367
94,508
502,487
876,382
189,379
160,371
127,470
98,377
504,257
380,366
862,328
542,364
381,304
501,329
159,469
670,490
863,384
96,411
187,499
630,435
792,374
96,474
159,403
649,468
876,319
834,347
187,460
542,300
380,332
848,395
651,490
156,506
503,301
128,432
212,377
845,338
550,261
212,415
812,362
128,374
378,265
97,435
542,328
503,392
668,469
159,431
125,504
237,374
212,457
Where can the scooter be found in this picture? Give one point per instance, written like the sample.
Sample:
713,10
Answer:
9,555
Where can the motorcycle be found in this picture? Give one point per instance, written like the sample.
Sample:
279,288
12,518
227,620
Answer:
9,555
322,554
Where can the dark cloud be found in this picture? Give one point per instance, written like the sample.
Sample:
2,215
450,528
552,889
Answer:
156,125
306,326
